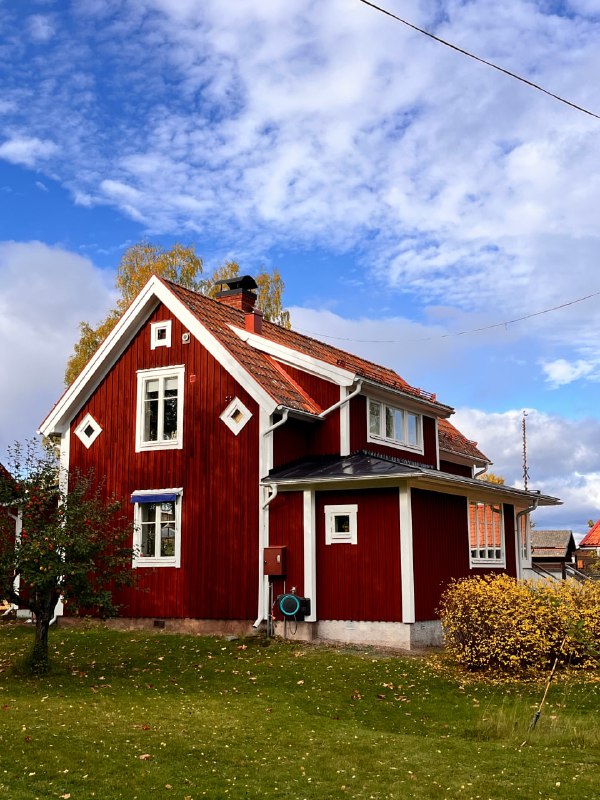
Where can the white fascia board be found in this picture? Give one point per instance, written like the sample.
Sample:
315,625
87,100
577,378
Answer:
294,358
410,401
101,362
116,342
466,461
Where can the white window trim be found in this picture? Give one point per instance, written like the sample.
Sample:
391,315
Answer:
524,552
155,327
87,421
498,563
160,373
399,445
227,415
331,512
156,561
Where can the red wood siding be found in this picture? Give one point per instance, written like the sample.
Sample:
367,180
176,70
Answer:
358,436
361,581
456,469
441,546
297,438
286,527
218,577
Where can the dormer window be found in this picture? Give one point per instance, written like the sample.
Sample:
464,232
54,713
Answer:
160,334
394,426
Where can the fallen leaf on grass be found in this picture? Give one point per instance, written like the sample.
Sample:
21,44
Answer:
144,757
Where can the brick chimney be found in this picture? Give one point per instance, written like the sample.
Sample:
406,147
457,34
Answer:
239,294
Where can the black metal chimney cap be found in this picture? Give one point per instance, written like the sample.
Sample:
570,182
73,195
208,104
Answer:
246,282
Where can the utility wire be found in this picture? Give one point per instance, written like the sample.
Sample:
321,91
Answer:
504,324
477,58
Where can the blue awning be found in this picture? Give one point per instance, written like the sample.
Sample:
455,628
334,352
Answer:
154,498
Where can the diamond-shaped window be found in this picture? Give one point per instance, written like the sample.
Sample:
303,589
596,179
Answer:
236,415
88,430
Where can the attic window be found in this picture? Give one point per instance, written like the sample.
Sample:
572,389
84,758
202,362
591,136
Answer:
88,430
160,334
236,415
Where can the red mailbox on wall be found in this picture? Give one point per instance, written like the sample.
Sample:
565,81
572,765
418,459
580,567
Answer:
275,561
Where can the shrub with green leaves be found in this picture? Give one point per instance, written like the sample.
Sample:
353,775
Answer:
494,622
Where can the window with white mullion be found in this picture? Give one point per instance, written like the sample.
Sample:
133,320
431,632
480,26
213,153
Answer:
486,534
160,408
395,426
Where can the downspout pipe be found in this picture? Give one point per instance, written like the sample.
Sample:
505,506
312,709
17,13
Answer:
527,511
282,421
342,402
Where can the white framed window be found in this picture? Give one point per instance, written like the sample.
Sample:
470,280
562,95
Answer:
341,524
157,527
88,430
394,426
160,334
486,534
159,420
236,415
524,539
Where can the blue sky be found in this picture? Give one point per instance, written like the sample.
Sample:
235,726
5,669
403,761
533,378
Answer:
405,192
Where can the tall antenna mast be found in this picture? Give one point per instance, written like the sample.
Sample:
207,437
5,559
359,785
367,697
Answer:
525,469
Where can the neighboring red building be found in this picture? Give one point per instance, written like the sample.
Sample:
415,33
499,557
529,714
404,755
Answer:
229,436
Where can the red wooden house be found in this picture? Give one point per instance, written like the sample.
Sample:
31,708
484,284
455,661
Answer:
231,437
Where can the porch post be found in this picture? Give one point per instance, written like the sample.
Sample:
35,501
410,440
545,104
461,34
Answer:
407,574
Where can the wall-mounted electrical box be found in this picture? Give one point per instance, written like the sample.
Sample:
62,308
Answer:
275,561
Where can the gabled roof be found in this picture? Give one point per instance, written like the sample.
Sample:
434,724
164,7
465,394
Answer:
453,441
220,319
257,361
549,543
592,537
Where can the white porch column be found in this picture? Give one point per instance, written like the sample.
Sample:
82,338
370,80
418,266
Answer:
310,546
406,555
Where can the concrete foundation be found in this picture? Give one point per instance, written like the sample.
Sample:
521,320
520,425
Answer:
400,635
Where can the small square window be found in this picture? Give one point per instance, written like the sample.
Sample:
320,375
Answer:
341,524
236,415
160,334
88,430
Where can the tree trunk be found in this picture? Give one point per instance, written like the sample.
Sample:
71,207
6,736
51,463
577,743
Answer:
39,662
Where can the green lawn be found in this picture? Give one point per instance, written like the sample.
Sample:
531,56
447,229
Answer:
135,715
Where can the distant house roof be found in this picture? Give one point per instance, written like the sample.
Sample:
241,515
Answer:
552,544
592,537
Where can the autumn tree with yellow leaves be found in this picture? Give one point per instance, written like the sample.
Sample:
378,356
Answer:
179,264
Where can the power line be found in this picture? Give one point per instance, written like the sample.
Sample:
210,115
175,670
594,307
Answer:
504,324
481,60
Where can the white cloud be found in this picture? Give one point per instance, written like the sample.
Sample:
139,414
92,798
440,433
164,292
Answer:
561,372
563,457
27,150
44,293
41,27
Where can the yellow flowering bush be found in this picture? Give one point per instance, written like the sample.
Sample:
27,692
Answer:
496,622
